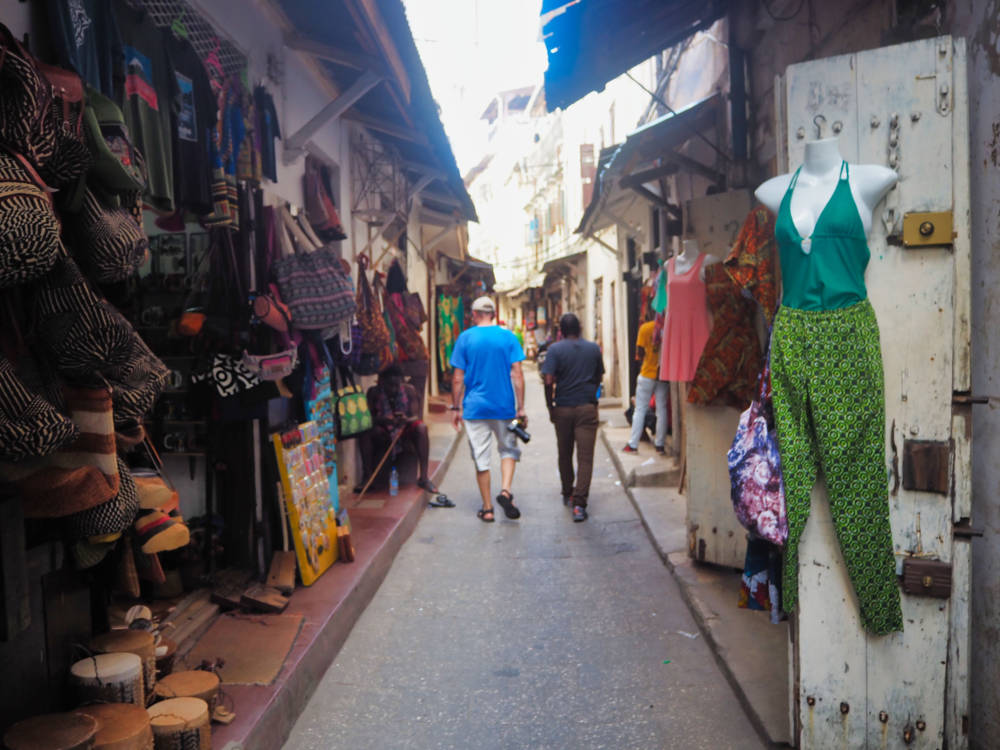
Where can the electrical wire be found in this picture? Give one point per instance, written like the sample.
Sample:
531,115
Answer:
767,8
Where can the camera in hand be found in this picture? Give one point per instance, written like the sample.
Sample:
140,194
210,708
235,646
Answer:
518,429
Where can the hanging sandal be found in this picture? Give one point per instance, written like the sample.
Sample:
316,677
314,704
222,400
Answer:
483,512
506,501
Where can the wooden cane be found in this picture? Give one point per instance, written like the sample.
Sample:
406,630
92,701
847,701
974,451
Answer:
378,468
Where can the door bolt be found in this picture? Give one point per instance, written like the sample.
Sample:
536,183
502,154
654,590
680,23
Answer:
800,133
875,122
810,700
837,127
914,116
908,734
844,708
921,725
883,717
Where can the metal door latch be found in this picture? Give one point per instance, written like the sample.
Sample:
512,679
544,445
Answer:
924,228
961,398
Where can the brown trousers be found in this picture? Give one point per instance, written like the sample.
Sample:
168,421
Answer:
576,425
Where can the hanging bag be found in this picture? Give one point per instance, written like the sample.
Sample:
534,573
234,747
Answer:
313,282
758,492
353,414
322,211
376,341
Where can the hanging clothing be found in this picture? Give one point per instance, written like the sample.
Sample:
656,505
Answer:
688,322
450,317
829,411
193,122
85,38
760,584
826,270
727,372
150,98
268,130
729,365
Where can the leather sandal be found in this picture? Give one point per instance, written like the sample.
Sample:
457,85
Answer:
483,512
506,501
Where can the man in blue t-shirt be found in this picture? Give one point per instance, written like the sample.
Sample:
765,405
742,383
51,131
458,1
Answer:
487,393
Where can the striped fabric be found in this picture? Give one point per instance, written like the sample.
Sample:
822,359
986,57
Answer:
29,229
111,517
107,241
80,332
30,427
80,476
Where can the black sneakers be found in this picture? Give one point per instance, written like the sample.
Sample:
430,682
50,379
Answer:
579,513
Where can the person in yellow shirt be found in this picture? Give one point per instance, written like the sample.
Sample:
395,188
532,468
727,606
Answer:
647,385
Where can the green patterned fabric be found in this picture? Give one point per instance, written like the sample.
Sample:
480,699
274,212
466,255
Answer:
829,411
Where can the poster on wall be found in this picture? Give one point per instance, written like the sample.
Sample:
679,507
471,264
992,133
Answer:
306,485
540,316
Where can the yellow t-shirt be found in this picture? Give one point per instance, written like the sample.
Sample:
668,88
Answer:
651,361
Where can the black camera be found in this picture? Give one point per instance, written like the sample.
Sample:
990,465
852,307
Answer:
516,427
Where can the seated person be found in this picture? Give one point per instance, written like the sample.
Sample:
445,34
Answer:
394,405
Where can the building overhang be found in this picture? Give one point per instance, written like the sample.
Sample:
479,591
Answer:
590,42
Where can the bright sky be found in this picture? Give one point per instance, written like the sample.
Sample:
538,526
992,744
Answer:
472,49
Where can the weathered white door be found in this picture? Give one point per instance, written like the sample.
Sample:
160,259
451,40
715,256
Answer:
714,534
905,107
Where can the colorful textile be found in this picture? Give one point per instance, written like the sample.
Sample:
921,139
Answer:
688,323
729,365
760,585
450,317
829,410
751,262
755,470
826,270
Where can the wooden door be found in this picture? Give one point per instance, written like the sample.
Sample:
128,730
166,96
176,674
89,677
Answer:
905,107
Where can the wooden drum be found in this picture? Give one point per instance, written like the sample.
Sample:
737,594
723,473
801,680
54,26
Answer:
181,724
194,683
109,678
52,732
138,642
123,726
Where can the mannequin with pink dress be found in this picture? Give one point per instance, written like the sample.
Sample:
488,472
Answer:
688,321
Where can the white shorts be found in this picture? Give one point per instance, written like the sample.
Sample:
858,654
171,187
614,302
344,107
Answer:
479,432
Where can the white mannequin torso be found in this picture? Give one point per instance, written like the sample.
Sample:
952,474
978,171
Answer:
818,178
688,256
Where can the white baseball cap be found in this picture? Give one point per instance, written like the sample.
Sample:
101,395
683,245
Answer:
483,304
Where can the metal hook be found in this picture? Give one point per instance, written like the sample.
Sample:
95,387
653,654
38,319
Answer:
819,128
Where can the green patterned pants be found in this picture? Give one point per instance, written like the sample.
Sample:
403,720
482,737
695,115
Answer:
829,412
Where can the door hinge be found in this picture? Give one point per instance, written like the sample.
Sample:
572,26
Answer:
961,398
964,530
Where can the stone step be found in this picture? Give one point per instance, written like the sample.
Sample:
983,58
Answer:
662,472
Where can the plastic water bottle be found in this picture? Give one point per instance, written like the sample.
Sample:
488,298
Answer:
394,482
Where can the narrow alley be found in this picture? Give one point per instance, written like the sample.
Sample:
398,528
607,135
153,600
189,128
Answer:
537,633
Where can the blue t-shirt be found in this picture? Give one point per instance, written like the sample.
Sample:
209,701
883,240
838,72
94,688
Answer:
485,354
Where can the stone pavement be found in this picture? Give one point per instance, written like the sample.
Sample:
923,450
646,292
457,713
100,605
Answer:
752,652
538,633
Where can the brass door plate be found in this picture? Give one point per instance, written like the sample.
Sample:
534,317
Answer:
927,228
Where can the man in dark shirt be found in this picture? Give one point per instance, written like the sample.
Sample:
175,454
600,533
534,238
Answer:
573,369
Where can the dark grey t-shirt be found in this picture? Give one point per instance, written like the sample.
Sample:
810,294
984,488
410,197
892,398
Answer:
578,368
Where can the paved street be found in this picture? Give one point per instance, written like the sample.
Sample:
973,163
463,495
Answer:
537,633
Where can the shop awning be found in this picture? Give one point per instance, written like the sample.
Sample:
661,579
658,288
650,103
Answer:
471,268
367,49
564,260
590,42
648,154
535,280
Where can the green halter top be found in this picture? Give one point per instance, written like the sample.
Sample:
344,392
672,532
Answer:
825,271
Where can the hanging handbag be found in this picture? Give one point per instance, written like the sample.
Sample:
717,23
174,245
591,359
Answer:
409,344
353,414
118,166
758,493
106,239
375,337
322,211
29,228
313,282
